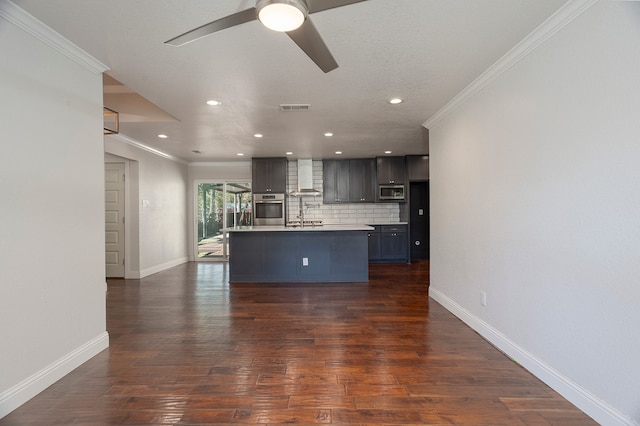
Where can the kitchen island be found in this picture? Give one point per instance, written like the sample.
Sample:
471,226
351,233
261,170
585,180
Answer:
328,253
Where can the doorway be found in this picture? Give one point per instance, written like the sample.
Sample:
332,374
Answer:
419,220
114,197
220,205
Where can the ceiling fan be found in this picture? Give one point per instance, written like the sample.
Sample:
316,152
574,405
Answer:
290,16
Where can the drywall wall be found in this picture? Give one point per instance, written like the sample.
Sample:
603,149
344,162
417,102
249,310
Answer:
52,285
161,204
535,201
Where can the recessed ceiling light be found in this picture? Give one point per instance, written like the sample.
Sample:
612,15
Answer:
196,151
288,153
239,154
214,103
387,152
328,134
395,101
257,135
338,152
163,136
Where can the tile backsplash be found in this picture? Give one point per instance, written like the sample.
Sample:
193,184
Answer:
351,213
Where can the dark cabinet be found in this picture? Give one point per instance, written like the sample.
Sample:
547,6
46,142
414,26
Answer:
417,168
348,181
335,181
269,175
388,244
393,243
362,173
374,245
391,170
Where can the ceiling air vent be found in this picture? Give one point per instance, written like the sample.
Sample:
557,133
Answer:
295,107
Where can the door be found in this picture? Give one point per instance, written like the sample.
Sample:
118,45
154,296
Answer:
220,205
419,219
114,219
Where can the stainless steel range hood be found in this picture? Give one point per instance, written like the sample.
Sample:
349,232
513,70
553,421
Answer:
305,179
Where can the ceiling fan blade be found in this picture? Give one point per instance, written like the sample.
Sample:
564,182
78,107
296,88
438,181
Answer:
320,5
212,27
309,40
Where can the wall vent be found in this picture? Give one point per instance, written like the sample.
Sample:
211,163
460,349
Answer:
295,107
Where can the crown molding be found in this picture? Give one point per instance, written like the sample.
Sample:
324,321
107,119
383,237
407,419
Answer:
220,163
36,28
561,18
122,138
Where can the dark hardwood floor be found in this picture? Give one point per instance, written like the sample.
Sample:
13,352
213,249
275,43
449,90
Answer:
189,348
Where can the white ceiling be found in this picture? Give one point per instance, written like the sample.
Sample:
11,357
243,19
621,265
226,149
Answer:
424,51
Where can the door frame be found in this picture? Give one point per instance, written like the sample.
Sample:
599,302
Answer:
124,195
131,262
194,204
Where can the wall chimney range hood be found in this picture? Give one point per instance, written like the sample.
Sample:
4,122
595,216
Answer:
305,179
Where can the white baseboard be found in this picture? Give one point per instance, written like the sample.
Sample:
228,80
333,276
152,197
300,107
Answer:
162,267
17,395
132,275
594,407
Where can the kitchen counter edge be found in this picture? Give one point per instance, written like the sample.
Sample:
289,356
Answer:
299,229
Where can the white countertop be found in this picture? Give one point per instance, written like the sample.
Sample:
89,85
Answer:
352,227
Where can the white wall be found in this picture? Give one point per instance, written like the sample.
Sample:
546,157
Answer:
161,205
52,285
535,188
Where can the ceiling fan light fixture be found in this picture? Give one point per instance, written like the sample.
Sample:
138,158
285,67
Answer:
281,15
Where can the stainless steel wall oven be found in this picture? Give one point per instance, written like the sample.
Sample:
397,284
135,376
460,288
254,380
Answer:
268,209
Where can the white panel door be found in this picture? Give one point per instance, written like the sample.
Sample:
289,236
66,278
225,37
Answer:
114,219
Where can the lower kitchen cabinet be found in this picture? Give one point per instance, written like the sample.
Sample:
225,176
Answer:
388,244
322,254
374,245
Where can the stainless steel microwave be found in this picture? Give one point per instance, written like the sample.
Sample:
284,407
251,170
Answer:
391,192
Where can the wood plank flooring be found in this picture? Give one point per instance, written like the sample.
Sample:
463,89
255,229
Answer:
189,348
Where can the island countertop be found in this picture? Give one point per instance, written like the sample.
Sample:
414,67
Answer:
339,227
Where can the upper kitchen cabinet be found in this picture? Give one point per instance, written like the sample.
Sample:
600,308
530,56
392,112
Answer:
269,175
390,170
349,181
362,180
335,181
417,168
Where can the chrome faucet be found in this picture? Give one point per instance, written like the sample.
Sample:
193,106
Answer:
301,212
